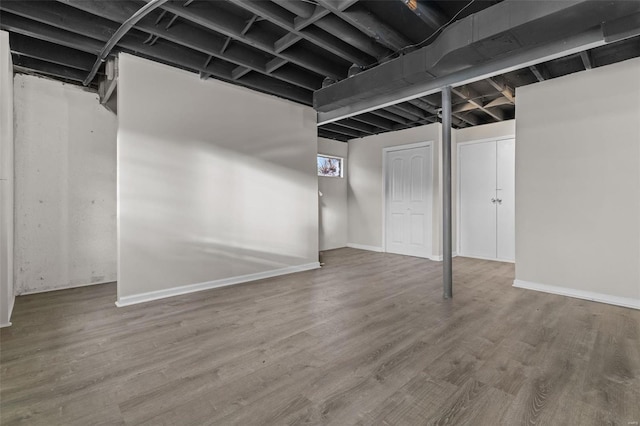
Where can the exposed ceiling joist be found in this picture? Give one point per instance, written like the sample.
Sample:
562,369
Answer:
498,102
274,14
540,72
474,98
383,113
501,86
302,9
52,53
230,25
374,120
359,126
291,48
538,27
586,60
74,21
366,22
332,135
199,40
26,64
336,128
18,25
413,110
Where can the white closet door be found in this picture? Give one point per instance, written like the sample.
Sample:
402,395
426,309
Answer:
408,200
505,193
477,190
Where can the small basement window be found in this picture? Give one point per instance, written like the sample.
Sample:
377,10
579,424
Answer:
329,166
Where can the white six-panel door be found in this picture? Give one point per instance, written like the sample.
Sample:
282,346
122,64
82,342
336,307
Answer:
408,194
487,199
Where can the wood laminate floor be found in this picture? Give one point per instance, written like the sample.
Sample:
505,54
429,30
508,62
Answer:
366,340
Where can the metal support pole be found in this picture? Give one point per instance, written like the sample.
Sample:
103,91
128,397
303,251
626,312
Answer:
447,274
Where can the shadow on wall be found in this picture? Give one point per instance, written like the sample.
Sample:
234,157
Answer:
211,211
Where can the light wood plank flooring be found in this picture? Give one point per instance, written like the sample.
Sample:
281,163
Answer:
366,340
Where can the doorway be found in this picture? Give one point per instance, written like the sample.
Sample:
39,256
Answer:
486,199
408,194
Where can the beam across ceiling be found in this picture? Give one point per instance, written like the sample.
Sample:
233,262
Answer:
475,99
37,31
544,31
332,135
197,39
53,17
223,22
50,52
540,71
27,65
274,14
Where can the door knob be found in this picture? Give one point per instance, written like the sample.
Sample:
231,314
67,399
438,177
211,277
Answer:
499,200
493,200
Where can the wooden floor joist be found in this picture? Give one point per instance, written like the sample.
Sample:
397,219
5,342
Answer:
365,340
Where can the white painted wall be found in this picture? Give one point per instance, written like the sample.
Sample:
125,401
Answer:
6,181
333,203
497,130
65,187
578,184
365,197
217,183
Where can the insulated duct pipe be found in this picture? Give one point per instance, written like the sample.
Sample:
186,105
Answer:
120,32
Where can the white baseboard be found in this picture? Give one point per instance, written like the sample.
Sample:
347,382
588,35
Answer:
47,290
5,325
192,288
11,305
439,257
331,248
493,259
365,247
579,294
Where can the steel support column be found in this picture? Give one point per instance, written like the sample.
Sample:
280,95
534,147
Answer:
447,273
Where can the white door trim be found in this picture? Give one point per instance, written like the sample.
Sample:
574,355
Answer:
384,184
458,145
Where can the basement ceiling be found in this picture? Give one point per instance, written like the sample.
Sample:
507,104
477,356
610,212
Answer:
288,48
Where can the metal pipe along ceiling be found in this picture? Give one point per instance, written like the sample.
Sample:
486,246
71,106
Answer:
501,38
115,38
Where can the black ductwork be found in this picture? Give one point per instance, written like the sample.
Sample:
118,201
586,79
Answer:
505,29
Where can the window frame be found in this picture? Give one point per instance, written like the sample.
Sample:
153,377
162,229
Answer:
341,159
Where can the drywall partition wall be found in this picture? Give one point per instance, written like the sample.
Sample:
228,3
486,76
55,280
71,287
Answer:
6,181
578,185
65,187
499,130
217,183
365,181
333,202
